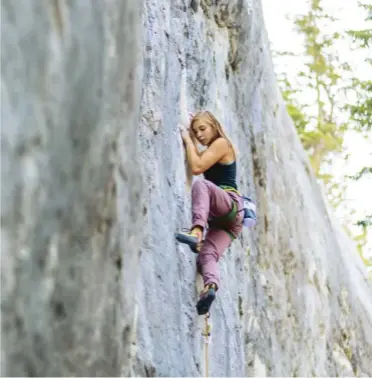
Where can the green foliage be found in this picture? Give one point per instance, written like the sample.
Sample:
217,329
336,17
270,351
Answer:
361,239
361,109
320,134
365,222
323,78
364,171
294,108
361,37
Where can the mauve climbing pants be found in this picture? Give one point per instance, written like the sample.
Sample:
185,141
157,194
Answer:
209,200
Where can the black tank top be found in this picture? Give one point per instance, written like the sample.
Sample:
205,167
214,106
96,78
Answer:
222,174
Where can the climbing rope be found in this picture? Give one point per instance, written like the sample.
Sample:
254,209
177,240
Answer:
207,340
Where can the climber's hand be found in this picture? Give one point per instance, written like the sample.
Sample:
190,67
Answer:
192,135
191,116
184,133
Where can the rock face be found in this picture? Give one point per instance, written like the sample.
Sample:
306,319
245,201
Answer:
93,282
294,299
70,91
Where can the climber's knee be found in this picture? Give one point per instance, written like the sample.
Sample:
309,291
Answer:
198,184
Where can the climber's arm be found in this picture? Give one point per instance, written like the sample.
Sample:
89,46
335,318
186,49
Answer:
213,154
195,144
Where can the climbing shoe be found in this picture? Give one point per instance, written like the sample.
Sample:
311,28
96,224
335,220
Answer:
206,298
190,239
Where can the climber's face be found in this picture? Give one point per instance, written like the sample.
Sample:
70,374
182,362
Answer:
204,131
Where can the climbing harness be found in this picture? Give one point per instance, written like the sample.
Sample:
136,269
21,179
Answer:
249,209
207,340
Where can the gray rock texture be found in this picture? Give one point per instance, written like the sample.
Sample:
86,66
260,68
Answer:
70,96
294,299
94,188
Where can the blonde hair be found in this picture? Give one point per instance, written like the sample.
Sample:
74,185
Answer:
208,117
212,121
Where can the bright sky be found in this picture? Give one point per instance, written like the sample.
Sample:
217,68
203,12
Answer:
283,37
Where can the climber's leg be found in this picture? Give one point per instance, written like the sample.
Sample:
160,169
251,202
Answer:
215,243
207,200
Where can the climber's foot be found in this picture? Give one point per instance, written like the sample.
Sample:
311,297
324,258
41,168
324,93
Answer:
191,238
207,296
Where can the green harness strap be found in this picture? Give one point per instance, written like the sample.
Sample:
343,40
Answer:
229,189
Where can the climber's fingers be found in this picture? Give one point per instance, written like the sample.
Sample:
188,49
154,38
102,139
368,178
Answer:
184,132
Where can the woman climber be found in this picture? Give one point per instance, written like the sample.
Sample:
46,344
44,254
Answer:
216,202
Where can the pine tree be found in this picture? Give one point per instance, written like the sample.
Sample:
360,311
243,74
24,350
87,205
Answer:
320,79
314,101
361,109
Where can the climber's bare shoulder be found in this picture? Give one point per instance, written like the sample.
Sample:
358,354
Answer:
215,153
